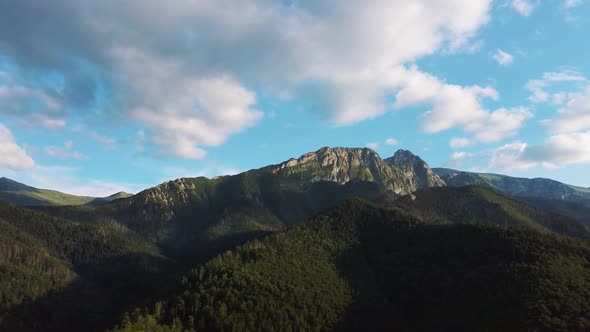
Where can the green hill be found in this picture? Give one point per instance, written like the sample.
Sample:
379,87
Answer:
108,199
360,267
579,210
544,193
23,195
484,205
59,275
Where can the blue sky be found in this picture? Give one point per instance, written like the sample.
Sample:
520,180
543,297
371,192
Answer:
99,97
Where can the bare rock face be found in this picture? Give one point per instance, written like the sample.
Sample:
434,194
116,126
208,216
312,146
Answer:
415,169
342,165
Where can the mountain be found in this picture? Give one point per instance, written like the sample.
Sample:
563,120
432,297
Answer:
402,173
20,194
361,267
103,200
200,214
544,193
485,205
132,251
520,187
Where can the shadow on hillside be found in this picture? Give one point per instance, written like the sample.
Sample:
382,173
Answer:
97,299
104,291
371,310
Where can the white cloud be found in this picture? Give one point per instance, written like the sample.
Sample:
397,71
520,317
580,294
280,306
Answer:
573,116
347,54
503,58
556,151
511,157
108,142
538,87
523,7
13,156
391,141
64,153
32,106
459,142
372,145
458,158
454,105
223,108
104,140
499,124
572,3
48,122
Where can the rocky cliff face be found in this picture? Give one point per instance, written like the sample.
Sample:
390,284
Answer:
197,209
403,173
415,170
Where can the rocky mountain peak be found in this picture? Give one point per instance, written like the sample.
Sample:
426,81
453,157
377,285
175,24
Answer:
415,169
404,158
342,165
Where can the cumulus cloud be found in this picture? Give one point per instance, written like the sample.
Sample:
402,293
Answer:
556,151
573,113
572,3
391,141
538,87
523,7
33,106
372,145
503,58
13,156
458,158
499,124
459,142
573,116
65,152
165,66
106,141
569,129
511,157
221,107
454,105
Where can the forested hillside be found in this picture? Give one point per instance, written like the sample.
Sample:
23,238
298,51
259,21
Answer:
362,267
436,258
484,205
59,275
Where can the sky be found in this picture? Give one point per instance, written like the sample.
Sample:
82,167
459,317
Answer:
98,97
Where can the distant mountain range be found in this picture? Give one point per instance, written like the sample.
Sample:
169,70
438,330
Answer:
21,194
545,193
337,239
513,186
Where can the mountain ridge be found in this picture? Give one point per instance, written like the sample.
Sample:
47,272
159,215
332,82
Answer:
341,165
24,195
548,194
514,186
